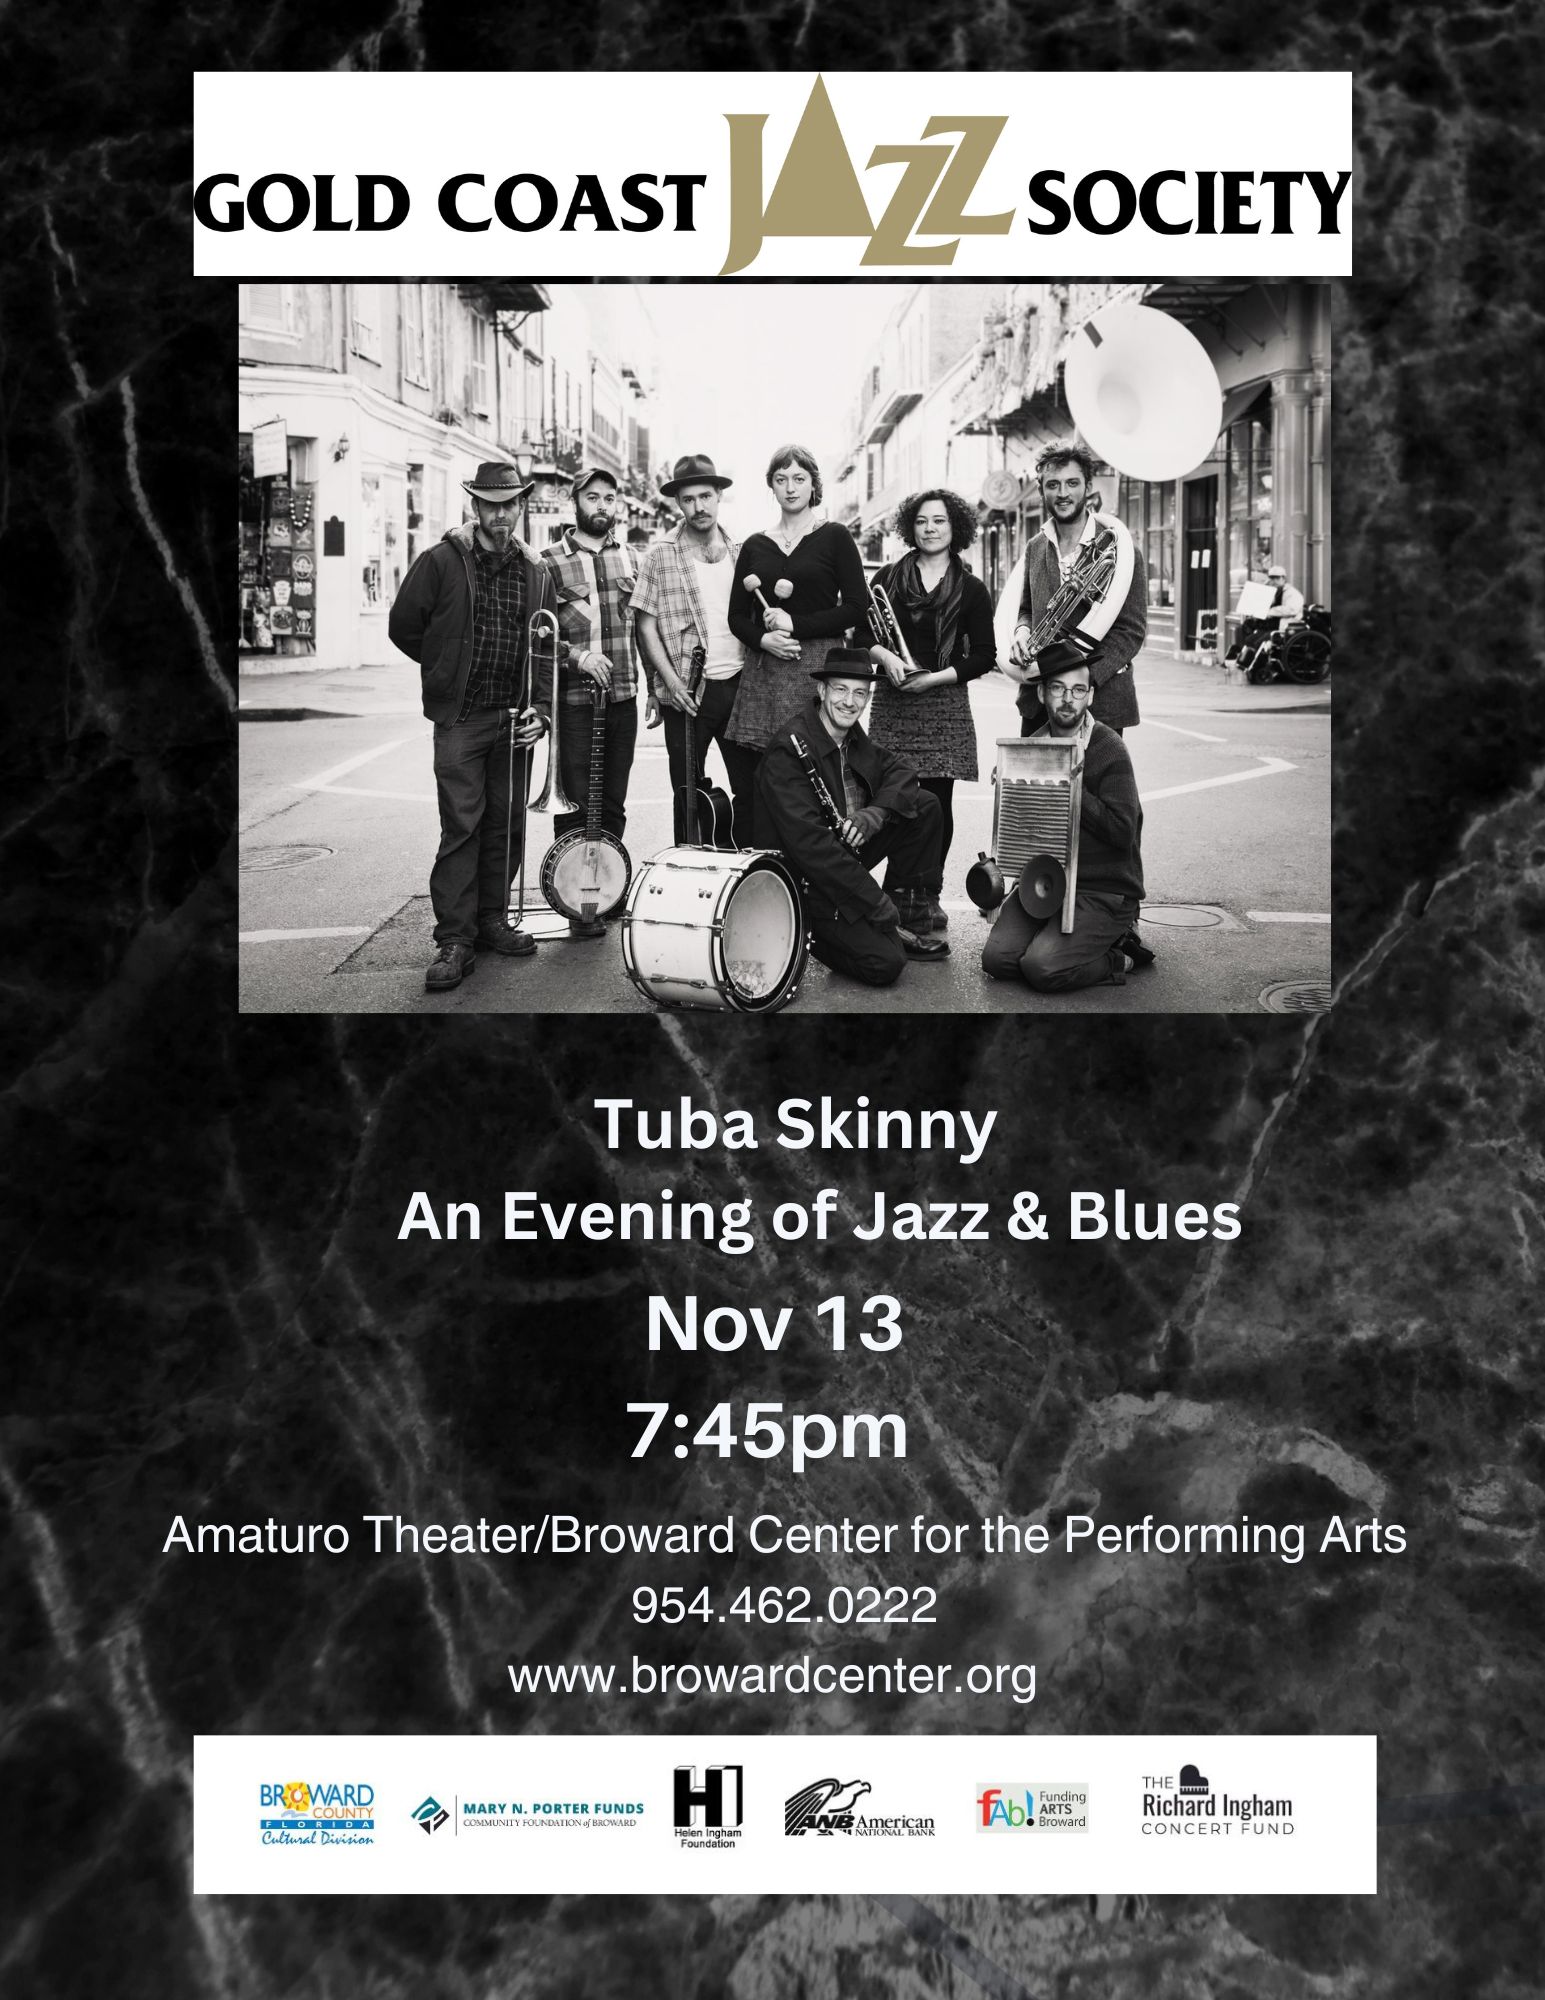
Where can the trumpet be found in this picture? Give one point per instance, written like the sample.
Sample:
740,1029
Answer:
887,626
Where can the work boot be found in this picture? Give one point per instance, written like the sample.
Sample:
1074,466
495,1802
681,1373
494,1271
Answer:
921,948
938,916
495,932
579,927
1137,951
452,962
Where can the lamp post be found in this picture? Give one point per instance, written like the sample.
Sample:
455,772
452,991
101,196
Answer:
525,458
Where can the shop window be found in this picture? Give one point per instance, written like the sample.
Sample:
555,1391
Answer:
366,337
384,517
1250,499
414,366
277,553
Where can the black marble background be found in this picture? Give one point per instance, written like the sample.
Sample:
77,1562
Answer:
208,1312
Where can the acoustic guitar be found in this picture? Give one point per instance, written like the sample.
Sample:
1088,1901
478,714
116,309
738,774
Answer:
704,813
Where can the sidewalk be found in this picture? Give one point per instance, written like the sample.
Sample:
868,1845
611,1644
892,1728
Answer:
299,693
1165,686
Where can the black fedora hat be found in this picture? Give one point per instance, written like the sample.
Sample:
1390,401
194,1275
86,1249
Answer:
696,469
845,663
496,481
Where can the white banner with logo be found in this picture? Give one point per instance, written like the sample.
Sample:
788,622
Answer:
994,174
753,1815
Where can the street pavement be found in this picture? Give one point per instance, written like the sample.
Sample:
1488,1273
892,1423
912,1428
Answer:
338,828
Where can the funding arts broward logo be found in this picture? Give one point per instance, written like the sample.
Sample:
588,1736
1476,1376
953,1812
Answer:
1018,1806
1187,1805
709,1812
327,1814
818,191
830,1806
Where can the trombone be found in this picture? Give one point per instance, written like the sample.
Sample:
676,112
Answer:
887,626
540,626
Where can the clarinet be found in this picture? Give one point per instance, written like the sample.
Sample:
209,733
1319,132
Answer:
834,819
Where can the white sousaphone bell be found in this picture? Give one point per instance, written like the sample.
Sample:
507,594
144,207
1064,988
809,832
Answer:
1145,397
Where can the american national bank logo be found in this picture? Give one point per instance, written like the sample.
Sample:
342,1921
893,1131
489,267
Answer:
818,191
297,1814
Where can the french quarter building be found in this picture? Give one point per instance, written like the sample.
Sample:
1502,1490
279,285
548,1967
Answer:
1262,494
363,407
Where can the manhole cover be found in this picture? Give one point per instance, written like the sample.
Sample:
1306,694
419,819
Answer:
1296,996
1188,917
255,858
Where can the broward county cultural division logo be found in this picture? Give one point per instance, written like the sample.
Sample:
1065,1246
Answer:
830,1806
1018,1806
298,1814
1187,1805
818,193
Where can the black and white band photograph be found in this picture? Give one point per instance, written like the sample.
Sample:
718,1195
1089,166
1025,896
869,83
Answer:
868,647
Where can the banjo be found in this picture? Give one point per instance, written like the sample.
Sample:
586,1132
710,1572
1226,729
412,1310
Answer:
585,874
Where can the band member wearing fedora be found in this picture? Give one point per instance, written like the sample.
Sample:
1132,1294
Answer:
462,614
1069,504
798,591
836,805
1103,940
681,606
942,640
593,573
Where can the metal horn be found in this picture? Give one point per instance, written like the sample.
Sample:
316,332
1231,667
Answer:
543,625
882,615
1143,391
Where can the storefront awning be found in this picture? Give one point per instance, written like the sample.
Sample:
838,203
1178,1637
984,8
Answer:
1243,402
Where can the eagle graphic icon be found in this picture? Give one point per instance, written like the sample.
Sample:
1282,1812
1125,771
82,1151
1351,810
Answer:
826,1799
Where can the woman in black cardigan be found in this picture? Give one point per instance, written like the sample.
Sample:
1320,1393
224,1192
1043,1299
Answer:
811,576
945,615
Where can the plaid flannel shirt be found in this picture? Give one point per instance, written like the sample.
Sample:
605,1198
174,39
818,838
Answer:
667,588
572,575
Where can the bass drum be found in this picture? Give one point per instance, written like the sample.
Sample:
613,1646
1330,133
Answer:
716,930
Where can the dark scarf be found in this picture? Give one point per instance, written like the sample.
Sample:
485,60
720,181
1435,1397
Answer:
919,605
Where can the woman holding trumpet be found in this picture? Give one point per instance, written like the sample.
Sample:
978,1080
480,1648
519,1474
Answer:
930,627
798,591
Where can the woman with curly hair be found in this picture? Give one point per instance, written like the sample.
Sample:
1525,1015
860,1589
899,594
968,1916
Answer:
798,591
945,615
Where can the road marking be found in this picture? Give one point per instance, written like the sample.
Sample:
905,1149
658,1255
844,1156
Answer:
1176,730
1268,767
325,779
364,792
1288,916
281,937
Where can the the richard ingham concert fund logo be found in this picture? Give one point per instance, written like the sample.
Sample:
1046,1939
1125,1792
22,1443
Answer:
708,1813
1187,1805
1017,1806
831,1806
328,1814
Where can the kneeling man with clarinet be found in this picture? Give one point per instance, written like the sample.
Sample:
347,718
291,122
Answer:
836,805
1028,941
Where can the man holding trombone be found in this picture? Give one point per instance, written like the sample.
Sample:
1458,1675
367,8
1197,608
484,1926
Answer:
464,613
